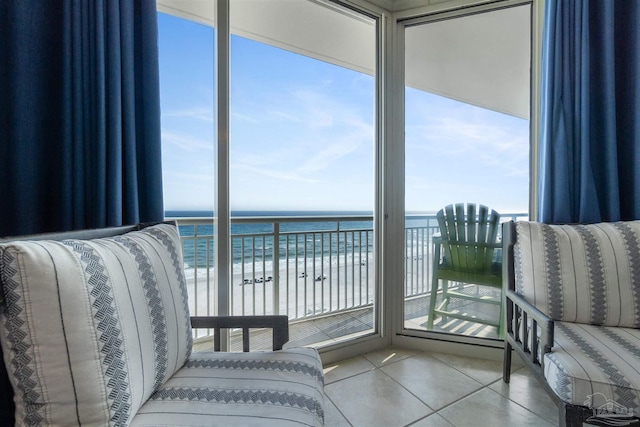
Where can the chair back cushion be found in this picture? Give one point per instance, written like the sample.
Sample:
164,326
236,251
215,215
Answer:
91,328
580,273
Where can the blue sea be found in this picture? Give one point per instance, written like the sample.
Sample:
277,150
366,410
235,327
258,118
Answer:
258,249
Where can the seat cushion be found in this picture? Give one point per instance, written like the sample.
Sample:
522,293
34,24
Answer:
92,328
581,273
282,388
595,366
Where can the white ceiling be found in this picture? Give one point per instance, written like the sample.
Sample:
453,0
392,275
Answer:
481,59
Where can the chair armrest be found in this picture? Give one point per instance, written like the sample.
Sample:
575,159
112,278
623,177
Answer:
519,311
279,324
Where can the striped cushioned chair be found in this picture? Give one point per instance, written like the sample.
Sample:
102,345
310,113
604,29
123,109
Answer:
95,330
573,312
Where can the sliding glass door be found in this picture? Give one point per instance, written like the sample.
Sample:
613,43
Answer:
467,141
302,145
288,139
188,115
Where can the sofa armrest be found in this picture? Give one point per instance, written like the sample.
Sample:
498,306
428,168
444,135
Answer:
525,339
279,324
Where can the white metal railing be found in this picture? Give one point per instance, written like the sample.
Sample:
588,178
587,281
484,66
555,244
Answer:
320,264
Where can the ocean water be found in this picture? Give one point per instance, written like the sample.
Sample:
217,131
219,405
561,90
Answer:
304,242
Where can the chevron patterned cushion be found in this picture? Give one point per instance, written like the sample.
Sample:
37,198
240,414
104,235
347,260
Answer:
281,388
581,273
93,328
595,366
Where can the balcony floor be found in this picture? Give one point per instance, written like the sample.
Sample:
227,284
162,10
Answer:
330,329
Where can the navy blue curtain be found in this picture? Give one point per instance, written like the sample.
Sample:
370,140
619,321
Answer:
79,115
590,112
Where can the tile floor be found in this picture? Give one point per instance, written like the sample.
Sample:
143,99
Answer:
399,387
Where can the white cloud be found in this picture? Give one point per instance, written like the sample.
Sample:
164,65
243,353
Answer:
186,142
192,177
321,130
326,157
244,117
488,142
286,116
199,113
273,173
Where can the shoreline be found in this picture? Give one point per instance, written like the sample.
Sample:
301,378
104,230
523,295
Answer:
300,294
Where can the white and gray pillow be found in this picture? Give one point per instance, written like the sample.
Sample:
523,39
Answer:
92,328
581,273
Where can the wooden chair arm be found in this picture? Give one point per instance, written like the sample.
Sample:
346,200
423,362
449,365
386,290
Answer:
279,324
519,311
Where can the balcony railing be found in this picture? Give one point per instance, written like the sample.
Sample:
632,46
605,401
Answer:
304,267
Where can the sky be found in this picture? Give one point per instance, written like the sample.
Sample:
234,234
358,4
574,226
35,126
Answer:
302,134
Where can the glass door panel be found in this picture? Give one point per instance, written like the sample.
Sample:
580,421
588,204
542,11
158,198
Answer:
187,100
301,166
467,141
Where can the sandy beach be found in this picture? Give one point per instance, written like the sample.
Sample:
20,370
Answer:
303,291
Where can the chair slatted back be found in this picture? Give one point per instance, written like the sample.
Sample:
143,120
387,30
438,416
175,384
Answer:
468,238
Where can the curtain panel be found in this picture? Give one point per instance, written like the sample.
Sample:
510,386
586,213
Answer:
590,112
79,115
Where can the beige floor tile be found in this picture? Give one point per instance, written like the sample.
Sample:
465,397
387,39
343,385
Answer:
332,416
431,380
481,370
525,390
493,409
389,355
346,368
433,420
374,399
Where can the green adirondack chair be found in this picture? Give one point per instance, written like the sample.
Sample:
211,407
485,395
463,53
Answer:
465,252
